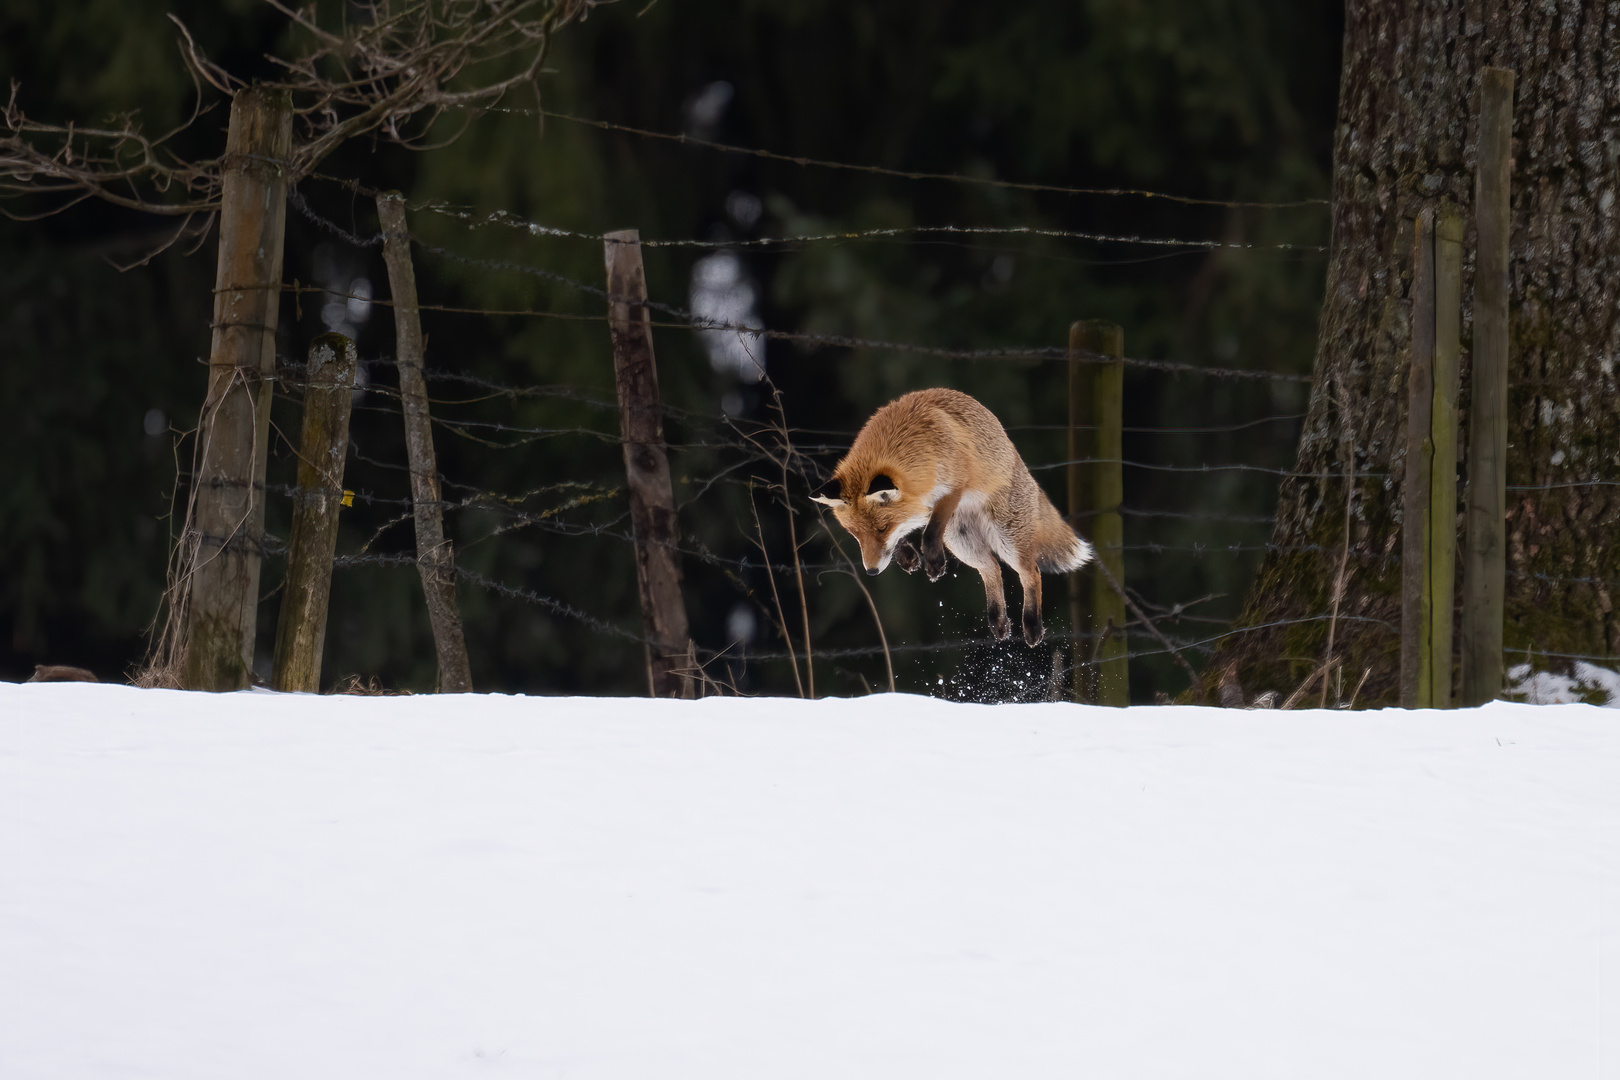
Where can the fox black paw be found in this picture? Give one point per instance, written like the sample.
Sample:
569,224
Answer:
1000,625
906,557
1033,629
934,564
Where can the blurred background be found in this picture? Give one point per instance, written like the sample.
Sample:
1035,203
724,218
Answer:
1230,101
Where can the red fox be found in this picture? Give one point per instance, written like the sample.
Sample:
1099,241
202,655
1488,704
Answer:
939,461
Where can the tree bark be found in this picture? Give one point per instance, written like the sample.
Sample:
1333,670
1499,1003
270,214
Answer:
1407,142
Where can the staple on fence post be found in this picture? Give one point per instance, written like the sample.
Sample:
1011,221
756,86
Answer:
225,524
1417,610
646,464
1102,490
1485,554
312,541
1448,232
435,556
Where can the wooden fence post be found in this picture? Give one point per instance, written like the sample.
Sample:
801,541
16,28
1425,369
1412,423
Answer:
646,464
1485,557
312,541
435,557
1448,233
1082,675
226,524
1100,490
1417,598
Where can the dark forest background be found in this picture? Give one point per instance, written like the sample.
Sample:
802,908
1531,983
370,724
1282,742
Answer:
1229,100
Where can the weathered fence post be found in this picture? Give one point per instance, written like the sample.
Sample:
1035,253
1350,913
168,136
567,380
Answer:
646,464
435,557
312,541
1097,396
1448,233
1485,557
1417,598
227,521
1083,682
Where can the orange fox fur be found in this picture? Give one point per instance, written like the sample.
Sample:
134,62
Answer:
939,461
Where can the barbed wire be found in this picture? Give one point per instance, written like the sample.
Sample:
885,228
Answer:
512,511
879,170
690,321
1563,484
474,220
297,288
274,546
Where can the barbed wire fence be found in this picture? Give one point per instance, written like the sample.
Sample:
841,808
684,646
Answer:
727,460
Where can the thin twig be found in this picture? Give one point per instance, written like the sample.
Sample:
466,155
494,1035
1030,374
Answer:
1304,687
1197,686
776,597
883,638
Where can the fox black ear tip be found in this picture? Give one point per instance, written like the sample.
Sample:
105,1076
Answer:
829,490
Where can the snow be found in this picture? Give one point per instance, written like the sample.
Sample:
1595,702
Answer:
1551,688
260,885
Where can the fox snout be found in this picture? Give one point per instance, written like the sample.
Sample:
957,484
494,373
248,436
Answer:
874,554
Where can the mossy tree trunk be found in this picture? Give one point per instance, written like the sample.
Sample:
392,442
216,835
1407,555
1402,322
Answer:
1406,142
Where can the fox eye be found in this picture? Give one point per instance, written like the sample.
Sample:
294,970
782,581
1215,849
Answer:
880,483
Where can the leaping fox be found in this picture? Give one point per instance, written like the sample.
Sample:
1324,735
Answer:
939,461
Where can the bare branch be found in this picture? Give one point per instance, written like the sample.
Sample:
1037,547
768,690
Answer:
394,71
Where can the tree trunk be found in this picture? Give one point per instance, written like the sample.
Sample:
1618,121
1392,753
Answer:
1406,141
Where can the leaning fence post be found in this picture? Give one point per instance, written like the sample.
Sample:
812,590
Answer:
312,541
1101,490
1417,597
226,525
1448,232
435,557
646,464
1485,556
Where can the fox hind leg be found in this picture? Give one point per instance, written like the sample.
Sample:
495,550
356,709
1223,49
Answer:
1034,629
995,600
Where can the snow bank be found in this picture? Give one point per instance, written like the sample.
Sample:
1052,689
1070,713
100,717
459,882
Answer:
273,886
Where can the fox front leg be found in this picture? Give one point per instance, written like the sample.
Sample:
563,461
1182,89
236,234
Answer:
933,542
906,556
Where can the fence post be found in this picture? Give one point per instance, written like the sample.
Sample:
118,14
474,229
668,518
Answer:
301,627
1101,490
646,465
1448,233
1082,676
435,556
1417,599
1485,556
226,525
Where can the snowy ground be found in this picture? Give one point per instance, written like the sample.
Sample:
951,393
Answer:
265,886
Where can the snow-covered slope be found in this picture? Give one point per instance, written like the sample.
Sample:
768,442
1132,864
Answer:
279,886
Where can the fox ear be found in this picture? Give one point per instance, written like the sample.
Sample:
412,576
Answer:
882,490
829,494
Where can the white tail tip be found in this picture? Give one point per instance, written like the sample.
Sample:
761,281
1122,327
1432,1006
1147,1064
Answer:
1076,557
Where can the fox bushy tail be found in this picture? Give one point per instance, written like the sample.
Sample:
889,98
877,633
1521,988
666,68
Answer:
1057,549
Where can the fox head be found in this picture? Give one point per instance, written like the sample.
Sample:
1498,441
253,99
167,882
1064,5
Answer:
877,513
